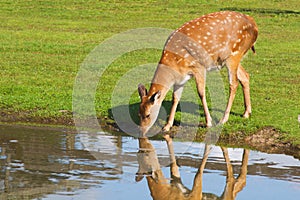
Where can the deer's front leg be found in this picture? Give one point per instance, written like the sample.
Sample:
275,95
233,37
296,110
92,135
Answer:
176,98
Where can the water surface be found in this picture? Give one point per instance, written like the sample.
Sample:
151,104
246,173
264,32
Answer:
48,164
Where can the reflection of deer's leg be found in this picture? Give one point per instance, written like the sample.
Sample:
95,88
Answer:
241,180
174,170
233,186
174,166
228,163
197,187
228,190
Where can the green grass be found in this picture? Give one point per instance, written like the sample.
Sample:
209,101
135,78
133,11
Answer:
43,44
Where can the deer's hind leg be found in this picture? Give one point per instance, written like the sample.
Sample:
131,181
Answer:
232,65
200,77
244,79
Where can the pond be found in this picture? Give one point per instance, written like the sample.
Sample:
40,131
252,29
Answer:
36,163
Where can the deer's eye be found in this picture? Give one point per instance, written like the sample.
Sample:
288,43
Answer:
148,116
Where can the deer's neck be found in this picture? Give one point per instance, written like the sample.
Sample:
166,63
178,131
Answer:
164,78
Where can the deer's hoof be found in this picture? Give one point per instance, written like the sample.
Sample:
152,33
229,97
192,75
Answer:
223,121
209,125
247,115
166,128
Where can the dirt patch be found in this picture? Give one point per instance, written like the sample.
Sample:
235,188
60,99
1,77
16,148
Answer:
271,141
7,116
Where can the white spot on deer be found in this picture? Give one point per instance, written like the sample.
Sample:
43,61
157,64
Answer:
186,55
234,53
180,59
208,33
193,62
205,37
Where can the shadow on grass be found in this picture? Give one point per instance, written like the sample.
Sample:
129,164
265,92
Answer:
126,116
262,10
122,111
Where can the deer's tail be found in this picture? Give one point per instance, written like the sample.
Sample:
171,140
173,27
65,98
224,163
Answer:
253,49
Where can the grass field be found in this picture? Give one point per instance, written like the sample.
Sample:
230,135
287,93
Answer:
43,44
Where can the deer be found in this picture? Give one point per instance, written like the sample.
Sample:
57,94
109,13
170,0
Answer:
163,188
207,43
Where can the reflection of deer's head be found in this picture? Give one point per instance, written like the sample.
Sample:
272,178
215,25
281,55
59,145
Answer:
161,188
148,161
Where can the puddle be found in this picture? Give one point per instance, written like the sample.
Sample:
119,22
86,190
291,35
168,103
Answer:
45,164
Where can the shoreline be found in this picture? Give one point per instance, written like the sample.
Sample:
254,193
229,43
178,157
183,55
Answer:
267,139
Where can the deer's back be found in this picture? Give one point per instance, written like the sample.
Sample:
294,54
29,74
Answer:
210,40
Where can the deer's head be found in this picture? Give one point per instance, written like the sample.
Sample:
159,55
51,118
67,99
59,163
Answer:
149,108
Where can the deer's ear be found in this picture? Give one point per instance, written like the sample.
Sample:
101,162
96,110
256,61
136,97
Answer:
142,90
155,97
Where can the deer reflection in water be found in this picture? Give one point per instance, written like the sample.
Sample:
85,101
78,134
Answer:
161,188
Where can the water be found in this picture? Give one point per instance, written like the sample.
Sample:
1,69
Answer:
49,164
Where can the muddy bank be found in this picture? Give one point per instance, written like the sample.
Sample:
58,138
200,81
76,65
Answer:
267,140
270,140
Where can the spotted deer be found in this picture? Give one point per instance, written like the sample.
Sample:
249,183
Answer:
207,43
